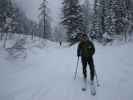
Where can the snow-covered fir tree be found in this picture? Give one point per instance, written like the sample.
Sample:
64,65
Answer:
7,16
72,19
87,16
44,23
13,19
108,17
97,19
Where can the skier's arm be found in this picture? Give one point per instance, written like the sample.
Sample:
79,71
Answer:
93,48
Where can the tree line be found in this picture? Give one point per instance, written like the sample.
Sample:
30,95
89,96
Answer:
112,17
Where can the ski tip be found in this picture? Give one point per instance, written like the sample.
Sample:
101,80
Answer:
93,92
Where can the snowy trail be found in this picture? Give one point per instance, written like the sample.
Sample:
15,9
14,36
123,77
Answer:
48,74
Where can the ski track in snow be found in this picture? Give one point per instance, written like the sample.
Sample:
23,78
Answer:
48,74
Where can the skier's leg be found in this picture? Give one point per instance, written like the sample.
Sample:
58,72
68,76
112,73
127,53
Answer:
84,64
92,69
92,73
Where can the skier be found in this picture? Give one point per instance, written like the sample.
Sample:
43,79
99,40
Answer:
86,50
60,43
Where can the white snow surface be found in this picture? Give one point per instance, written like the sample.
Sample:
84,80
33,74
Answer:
48,74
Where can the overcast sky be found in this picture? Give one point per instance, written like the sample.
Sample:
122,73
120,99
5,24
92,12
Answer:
31,8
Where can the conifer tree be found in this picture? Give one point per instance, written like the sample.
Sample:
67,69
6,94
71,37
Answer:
72,19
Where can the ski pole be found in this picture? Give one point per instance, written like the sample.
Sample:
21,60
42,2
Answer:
75,73
97,79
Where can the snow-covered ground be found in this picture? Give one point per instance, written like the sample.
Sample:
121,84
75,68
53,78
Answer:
48,74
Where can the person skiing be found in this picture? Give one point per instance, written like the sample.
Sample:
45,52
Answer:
60,43
86,51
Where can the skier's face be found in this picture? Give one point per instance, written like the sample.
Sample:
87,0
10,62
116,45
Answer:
84,38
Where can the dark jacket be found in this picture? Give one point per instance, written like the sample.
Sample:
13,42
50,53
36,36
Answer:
85,49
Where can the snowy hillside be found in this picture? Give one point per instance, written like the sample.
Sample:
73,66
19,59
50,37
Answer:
47,74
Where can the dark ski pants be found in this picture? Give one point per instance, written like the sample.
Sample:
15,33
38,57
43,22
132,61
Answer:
88,60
